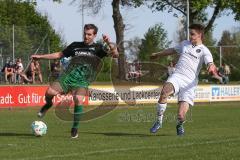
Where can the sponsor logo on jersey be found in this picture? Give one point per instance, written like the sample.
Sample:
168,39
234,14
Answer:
92,49
79,53
189,53
198,50
84,51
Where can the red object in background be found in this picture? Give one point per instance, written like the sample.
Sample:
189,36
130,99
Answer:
28,96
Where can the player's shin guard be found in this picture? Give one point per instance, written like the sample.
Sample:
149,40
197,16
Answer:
77,115
161,108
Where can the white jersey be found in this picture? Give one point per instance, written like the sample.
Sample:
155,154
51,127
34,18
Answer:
191,59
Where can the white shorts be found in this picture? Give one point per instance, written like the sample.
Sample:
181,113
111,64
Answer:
183,87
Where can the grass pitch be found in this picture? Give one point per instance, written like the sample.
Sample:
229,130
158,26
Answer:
212,133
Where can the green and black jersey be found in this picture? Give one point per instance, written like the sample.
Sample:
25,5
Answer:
84,65
80,48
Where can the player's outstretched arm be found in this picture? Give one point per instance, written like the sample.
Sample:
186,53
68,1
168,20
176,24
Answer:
212,69
112,47
55,55
167,52
113,50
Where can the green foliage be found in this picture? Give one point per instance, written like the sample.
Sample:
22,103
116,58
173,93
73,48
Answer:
227,38
235,6
231,52
198,9
94,6
208,39
210,42
237,36
109,71
134,3
32,31
154,40
104,74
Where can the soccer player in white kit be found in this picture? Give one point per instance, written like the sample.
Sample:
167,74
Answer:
185,77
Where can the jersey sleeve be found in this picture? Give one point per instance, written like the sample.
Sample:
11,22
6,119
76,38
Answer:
67,52
100,50
179,48
207,56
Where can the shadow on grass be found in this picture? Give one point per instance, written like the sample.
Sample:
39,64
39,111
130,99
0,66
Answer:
10,134
119,134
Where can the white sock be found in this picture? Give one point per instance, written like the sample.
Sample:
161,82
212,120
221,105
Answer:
161,107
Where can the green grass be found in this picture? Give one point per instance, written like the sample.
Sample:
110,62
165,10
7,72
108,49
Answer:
212,133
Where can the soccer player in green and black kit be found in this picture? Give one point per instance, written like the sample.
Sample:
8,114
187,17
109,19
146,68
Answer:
80,72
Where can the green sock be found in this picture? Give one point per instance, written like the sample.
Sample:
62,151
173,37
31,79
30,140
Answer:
77,115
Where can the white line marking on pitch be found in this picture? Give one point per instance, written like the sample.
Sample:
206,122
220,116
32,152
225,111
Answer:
4,145
128,149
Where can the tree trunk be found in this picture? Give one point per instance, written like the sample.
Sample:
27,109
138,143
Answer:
119,30
216,12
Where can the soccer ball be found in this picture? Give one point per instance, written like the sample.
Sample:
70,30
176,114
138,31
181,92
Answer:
39,128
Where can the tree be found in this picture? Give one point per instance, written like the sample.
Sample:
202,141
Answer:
227,38
119,26
181,31
132,48
230,52
155,40
30,29
119,30
237,35
211,43
198,9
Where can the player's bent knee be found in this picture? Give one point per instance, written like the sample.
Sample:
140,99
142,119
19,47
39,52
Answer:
166,92
163,97
51,92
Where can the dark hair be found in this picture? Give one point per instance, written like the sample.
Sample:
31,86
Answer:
198,27
91,26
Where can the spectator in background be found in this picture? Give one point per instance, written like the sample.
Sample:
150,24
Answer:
9,72
227,72
55,69
35,70
134,71
171,68
221,73
18,70
221,70
227,69
3,69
